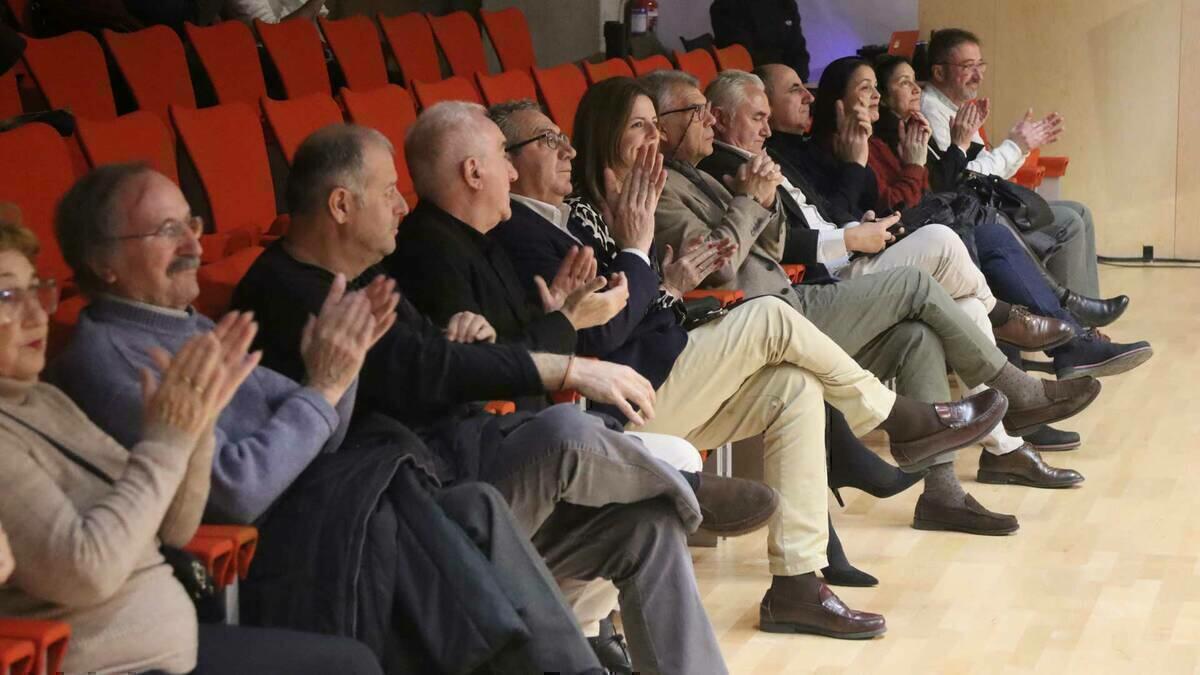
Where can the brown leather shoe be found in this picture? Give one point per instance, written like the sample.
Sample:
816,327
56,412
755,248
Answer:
1024,466
734,506
963,423
971,518
1032,332
831,617
1067,398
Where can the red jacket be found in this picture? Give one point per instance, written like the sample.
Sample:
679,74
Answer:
900,185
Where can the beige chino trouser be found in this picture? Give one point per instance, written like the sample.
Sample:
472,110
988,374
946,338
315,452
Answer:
764,368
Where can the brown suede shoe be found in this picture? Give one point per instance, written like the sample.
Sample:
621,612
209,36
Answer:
734,506
1067,398
1032,332
831,618
1024,466
963,423
971,518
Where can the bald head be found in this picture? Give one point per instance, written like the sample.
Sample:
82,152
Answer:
790,100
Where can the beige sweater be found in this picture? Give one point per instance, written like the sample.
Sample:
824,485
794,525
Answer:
87,552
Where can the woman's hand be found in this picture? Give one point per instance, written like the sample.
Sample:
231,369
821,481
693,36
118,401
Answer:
629,206
915,133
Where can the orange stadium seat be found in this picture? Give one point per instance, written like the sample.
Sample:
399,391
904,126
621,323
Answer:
649,64
391,111
509,32
410,40
507,86
734,57
562,87
35,184
355,44
699,64
294,47
458,36
292,121
455,88
598,72
48,638
229,57
155,68
71,72
903,43
137,137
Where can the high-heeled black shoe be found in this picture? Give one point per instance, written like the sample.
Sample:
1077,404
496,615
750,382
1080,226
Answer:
840,572
852,464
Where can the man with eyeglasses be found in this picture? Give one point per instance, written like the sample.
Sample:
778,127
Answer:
1067,246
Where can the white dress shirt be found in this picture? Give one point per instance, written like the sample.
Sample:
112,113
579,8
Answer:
1003,160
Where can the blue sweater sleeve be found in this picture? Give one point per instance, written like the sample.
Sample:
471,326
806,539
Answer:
643,292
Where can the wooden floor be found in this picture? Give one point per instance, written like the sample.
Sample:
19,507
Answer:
1104,578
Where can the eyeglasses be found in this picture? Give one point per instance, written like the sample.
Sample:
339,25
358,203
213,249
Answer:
170,229
44,293
976,66
551,139
698,111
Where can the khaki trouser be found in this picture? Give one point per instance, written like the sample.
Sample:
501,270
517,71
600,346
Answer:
765,369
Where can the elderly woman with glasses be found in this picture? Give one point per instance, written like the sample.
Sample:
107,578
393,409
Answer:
86,517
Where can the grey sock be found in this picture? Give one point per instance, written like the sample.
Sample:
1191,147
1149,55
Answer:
1022,389
942,485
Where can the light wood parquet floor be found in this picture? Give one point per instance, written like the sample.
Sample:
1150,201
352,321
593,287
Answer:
1100,579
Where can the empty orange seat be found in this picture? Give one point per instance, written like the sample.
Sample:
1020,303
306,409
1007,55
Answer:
411,40
10,95
294,47
35,183
649,64
292,121
598,72
218,280
391,111
458,36
49,640
71,73
451,89
155,68
734,57
355,44
507,86
137,137
699,64
562,87
509,32
230,59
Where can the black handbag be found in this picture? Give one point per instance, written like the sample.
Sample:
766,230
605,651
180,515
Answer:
1024,207
188,570
959,211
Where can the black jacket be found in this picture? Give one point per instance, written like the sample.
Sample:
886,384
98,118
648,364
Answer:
801,244
847,189
946,167
770,29
646,335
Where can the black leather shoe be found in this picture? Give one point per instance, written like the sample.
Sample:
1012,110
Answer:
610,649
1093,312
1048,439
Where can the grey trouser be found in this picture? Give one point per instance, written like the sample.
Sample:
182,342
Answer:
1073,264
598,505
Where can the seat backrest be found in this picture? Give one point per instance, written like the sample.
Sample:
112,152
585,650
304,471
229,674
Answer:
704,41
509,32
903,43
155,68
598,72
35,184
71,72
734,57
389,110
410,39
295,49
22,11
507,86
10,95
225,143
230,59
450,89
699,64
293,120
139,136
649,64
355,44
562,87
458,36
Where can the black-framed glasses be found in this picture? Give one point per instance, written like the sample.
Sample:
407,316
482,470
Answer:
698,111
552,139
44,292
170,229
977,66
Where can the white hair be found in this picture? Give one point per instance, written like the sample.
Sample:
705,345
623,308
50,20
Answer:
728,91
442,137
664,86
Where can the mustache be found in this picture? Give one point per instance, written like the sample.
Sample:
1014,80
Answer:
183,263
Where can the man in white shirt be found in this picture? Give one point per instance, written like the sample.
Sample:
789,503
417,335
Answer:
1068,246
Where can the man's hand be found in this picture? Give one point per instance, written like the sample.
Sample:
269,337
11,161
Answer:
967,122
588,306
629,205
1030,134
335,342
871,235
850,142
577,269
616,385
383,298
468,327
757,178
699,259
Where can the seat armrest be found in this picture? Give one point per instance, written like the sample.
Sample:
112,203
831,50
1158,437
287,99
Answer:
244,539
217,556
725,297
1056,167
49,640
795,272
500,407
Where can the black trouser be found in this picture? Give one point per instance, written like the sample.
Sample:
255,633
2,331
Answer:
238,650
